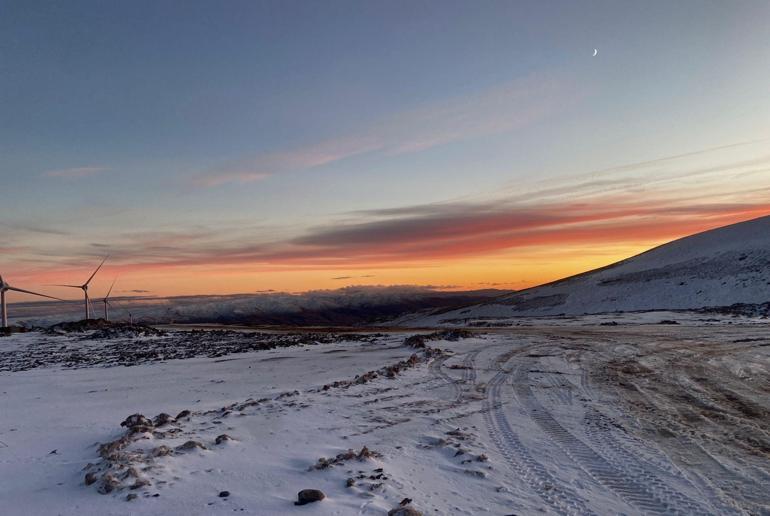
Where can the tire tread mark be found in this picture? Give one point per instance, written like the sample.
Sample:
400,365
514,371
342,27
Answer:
558,497
633,490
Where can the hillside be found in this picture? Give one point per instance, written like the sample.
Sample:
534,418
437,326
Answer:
715,268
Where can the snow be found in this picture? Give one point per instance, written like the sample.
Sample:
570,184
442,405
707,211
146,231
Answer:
716,268
525,420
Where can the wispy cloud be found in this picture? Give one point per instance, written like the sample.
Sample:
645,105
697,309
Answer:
75,173
229,177
616,210
352,277
498,110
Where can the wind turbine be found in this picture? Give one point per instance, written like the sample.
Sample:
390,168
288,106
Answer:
84,288
106,301
5,287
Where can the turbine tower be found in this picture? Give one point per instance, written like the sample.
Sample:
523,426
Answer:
84,288
106,301
5,287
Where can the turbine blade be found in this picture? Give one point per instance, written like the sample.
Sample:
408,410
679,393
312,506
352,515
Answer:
33,293
110,291
71,286
97,270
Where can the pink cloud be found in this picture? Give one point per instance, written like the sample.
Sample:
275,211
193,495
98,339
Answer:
493,111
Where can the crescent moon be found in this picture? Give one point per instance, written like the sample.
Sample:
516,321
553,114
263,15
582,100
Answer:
595,52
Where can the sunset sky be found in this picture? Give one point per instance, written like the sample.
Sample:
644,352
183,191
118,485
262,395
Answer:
233,147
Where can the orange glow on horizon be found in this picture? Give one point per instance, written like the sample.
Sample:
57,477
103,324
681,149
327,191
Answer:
505,261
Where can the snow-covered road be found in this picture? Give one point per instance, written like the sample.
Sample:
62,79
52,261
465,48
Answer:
645,419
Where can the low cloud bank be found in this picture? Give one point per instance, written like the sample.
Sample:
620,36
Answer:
346,306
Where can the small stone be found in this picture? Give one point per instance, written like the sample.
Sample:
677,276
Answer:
191,445
350,482
224,494
406,510
131,496
162,451
222,438
405,502
109,483
140,483
90,478
136,420
307,496
162,419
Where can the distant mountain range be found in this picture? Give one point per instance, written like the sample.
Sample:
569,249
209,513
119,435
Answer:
717,268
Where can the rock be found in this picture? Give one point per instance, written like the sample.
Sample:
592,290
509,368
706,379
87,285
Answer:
405,502
162,451
415,341
307,496
191,445
131,496
366,453
140,483
111,449
350,482
224,494
162,419
182,414
222,438
406,510
140,429
136,420
90,478
109,483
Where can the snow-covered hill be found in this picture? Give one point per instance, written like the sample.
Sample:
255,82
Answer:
715,268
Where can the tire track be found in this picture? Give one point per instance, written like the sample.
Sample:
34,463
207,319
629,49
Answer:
621,479
534,474
469,363
726,488
598,428
436,369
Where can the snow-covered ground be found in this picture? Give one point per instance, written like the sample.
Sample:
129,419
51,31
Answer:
540,419
716,268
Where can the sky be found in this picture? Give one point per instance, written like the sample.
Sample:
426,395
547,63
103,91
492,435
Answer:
215,148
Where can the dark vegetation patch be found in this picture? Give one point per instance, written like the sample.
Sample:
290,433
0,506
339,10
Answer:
124,345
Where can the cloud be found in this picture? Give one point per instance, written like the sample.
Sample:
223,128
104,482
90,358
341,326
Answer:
460,231
32,228
75,173
617,210
493,111
230,177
